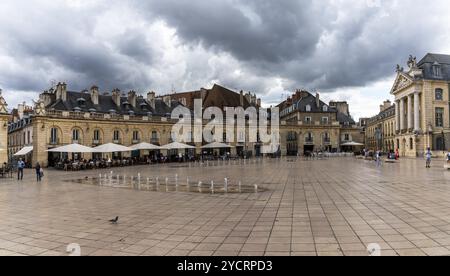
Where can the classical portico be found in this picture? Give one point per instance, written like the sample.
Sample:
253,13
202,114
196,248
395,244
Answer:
408,109
408,113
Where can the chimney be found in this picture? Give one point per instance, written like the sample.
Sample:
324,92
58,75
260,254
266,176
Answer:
61,91
241,99
248,96
342,107
132,98
203,93
289,101
151,99
318,100
167,100
116,97
20,110
46,98
94,95
386,104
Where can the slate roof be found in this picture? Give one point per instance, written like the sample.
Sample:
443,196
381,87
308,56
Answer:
427,62
106,104
309,99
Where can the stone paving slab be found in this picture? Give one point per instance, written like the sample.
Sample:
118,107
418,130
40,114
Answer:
322,207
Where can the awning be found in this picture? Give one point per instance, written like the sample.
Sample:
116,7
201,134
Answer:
73,148
110,148
145,146
24,151
177,146
350,144
216,145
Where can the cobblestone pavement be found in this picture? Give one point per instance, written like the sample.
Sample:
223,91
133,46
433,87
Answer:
321,207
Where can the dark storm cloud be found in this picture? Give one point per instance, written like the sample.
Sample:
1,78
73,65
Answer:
256,45
50,40
273,31
321,44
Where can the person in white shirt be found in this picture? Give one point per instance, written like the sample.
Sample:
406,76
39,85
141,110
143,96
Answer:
428,156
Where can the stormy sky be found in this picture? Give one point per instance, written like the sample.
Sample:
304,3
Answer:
347,50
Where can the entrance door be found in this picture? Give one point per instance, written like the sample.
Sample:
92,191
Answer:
308,149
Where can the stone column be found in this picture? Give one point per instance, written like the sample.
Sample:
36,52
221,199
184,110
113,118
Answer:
410,112
416,111
397,116
402,114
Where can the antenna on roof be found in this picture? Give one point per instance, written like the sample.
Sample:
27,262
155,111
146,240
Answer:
173,89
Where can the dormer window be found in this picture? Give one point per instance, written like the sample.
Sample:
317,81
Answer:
81,101
325,108
436,70
308,108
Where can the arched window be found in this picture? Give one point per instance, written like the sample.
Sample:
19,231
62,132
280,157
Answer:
326,138
97,137
155,137
116,137
439,94
136,136
76,137
54,137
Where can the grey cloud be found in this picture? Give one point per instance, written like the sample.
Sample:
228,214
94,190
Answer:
283,38
325,45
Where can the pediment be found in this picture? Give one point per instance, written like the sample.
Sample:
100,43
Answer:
402,81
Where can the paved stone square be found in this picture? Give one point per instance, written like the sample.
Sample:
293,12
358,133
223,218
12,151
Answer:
321,207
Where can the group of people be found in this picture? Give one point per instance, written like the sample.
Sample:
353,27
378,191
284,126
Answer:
21,166
429,155
395,156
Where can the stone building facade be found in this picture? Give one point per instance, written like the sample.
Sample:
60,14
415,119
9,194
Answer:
20,132
380,129
91,118
4,119
308,125
422,106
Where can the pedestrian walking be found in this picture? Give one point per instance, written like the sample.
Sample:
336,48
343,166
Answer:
20,167
38,172
428,156
378,158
